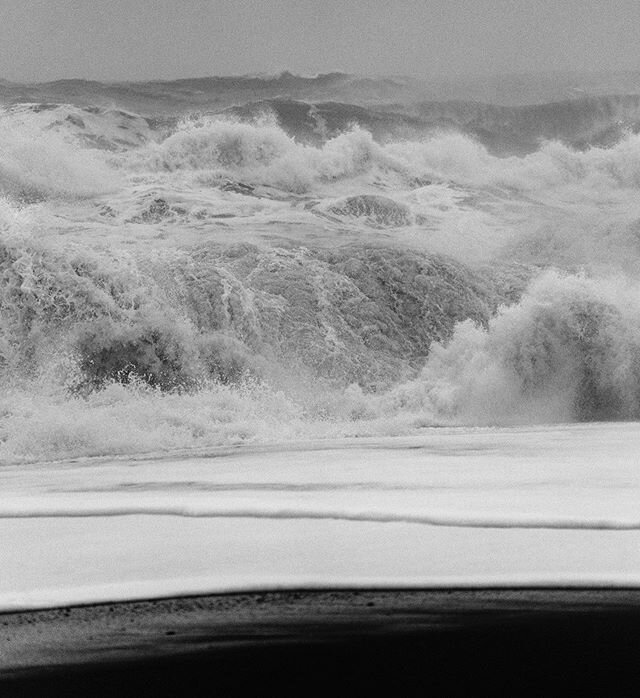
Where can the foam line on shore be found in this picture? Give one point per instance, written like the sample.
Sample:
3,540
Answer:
30,510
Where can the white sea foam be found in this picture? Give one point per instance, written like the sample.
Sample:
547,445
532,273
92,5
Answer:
457,507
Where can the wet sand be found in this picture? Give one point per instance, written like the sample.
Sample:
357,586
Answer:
508,641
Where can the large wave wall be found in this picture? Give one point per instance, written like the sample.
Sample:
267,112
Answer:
212,278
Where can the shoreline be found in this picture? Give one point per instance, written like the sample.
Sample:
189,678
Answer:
193,634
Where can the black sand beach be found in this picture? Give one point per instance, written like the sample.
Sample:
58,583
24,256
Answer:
438,642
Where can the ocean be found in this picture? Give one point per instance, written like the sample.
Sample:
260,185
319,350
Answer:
300,374
277,259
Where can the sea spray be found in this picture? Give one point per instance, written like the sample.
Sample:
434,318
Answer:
37,165
569,350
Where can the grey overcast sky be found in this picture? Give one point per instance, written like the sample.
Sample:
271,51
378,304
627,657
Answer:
141,39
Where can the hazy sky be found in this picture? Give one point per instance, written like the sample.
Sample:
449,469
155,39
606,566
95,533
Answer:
138,39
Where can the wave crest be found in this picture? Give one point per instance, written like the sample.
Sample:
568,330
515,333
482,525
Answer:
569,350
37,164
264,154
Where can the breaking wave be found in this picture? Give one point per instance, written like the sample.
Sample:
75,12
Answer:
263,153
36,165
570,350
178,281
60,158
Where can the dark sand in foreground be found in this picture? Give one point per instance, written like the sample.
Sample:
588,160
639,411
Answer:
443,642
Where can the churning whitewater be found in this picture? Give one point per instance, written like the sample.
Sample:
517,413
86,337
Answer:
204,263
